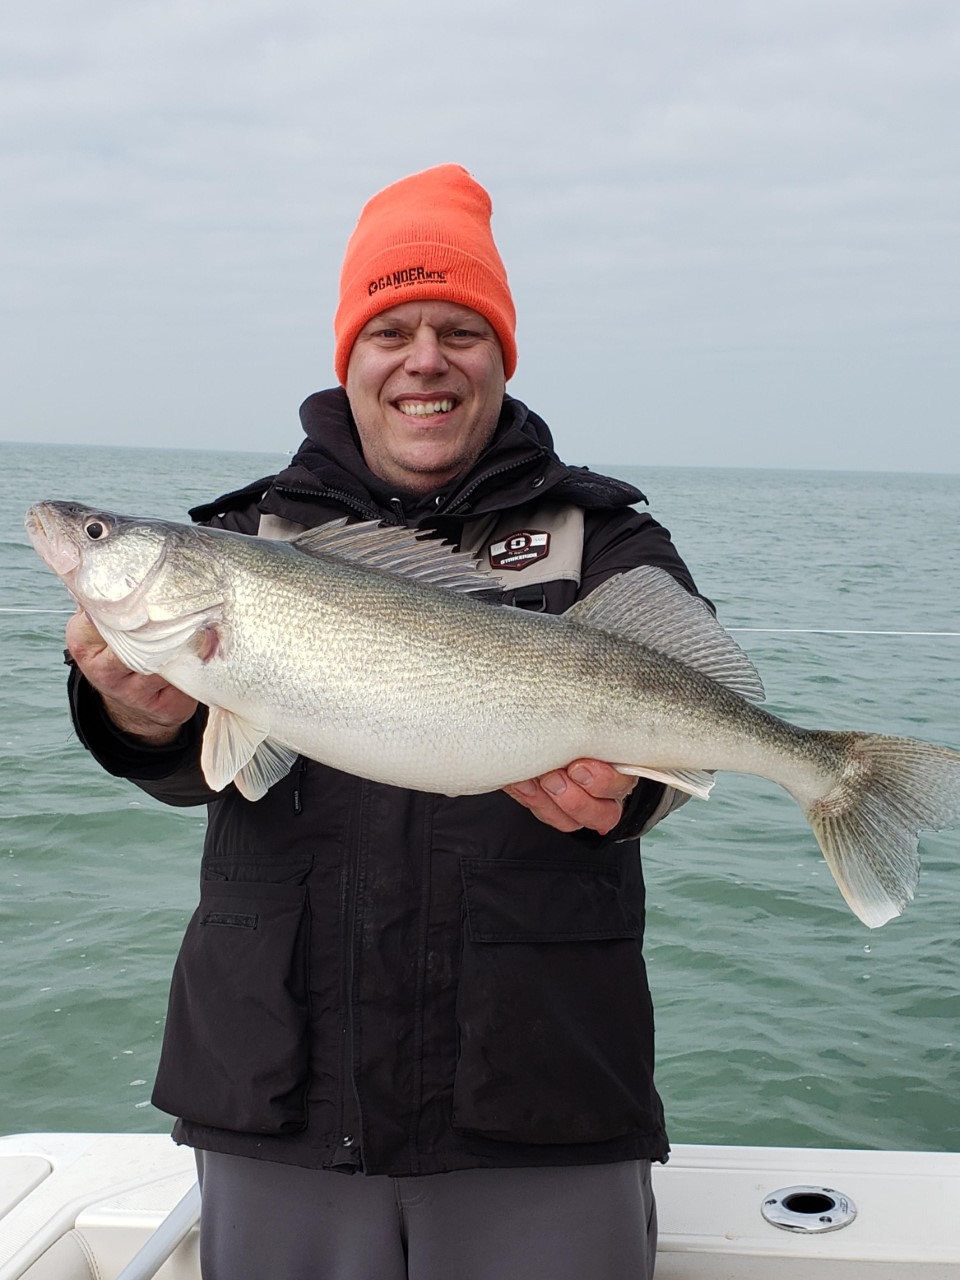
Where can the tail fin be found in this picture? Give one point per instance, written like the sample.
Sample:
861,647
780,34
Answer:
889,790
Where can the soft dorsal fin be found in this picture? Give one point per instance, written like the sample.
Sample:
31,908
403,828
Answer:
650,607
399,550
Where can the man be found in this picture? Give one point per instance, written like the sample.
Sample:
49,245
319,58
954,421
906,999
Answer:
443,996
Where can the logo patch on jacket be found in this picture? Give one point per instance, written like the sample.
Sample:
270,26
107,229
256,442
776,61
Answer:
519,549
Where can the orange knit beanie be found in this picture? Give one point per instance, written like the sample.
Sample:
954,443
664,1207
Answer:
427,236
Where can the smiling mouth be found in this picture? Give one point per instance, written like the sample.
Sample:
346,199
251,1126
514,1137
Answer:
425,408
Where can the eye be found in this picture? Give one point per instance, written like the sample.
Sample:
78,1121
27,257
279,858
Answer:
95,530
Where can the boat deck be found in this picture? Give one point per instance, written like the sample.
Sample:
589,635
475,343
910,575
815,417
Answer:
78,1206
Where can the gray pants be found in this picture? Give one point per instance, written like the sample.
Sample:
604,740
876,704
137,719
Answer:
264,1221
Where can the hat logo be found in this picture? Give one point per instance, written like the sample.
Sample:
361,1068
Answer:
404,278
519,549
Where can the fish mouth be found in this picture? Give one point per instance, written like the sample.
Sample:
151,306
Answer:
425,408
50,541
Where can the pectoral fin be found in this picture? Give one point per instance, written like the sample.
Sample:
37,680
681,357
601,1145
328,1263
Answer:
236,751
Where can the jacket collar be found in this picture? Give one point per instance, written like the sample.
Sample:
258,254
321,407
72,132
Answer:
518,466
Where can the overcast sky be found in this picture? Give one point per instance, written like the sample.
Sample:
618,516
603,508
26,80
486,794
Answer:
731,226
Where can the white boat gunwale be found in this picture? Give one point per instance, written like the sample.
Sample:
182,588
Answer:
103,1195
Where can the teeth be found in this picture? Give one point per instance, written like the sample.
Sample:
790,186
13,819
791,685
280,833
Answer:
421,409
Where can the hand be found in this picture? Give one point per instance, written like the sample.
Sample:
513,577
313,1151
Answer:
588,793
144,706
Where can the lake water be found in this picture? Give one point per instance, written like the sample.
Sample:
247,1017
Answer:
781,1019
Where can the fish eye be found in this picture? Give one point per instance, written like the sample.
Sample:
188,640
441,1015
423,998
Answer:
95,529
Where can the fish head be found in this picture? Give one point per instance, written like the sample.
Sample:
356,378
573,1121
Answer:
125,572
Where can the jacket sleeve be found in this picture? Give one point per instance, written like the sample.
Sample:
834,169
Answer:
170,773
613,543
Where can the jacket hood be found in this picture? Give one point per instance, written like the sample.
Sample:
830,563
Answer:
518,466
520,463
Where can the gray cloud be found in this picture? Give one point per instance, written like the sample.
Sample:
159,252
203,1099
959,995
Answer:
731,229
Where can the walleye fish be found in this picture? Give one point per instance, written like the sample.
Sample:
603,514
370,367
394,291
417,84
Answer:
368,649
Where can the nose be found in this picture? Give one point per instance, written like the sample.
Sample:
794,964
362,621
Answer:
425,354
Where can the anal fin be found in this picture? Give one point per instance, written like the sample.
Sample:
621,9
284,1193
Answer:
695,782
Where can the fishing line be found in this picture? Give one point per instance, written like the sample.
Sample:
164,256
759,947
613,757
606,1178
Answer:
828,631
770,631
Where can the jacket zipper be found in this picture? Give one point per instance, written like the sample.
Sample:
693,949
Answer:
345,499
461,501
298,786
373,513
349,887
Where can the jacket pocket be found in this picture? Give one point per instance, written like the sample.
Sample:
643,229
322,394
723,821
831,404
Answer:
555,1023
235,1051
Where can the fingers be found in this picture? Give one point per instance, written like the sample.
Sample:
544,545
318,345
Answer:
601,780
146,706
588,793
98,663
83,639
533,796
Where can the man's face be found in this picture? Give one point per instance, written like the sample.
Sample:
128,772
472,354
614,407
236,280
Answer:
425,383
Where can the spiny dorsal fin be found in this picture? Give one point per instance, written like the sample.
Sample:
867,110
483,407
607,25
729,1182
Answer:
396,549
650,607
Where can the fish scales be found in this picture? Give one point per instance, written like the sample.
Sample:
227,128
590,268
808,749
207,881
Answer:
368,650
501,686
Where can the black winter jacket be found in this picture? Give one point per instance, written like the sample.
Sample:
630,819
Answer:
391,981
